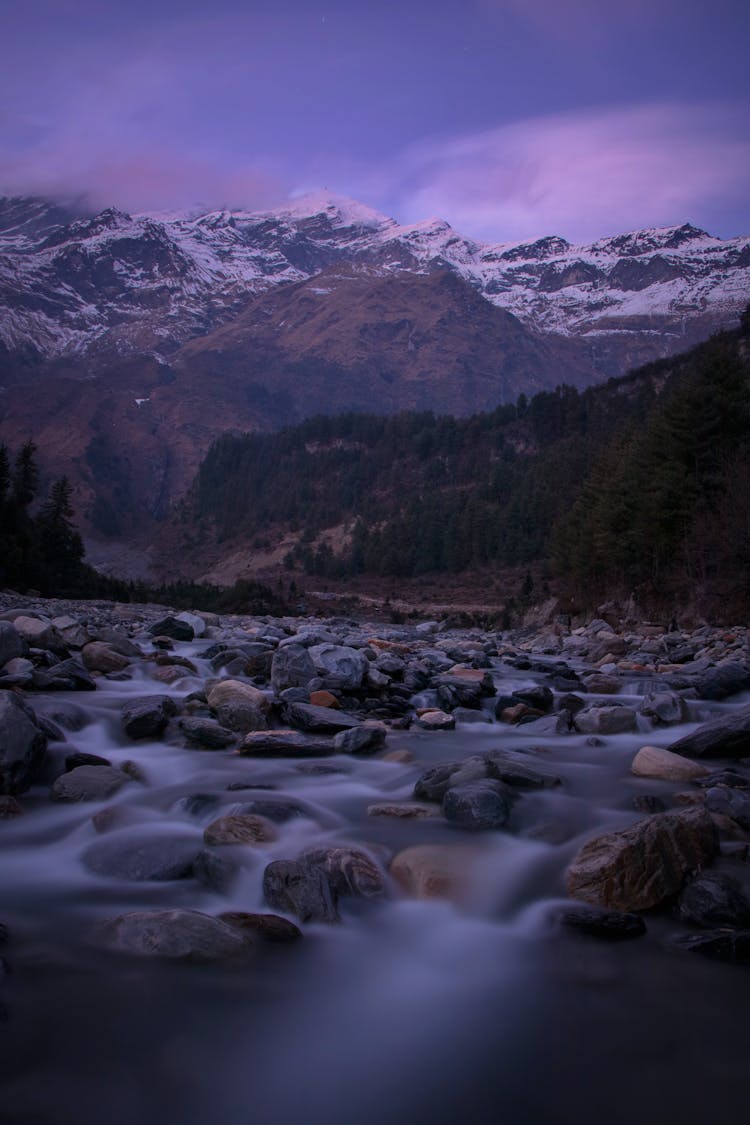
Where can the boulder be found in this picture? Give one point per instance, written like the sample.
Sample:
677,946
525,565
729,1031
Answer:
291,667
207,734
605,720
348,665
196,623
68,675
144,858
727,801
12,644
435,720
365,739
722,681
285,744
513,767
478,805
236,828
324,720
264,927
299,889
607,924
173,628
147,716
23,745
654,761
721,945
406,811
350,871
664,707
638,867
99,657
713,899
725,737
88,783
182,935
239,706
36,633
433,870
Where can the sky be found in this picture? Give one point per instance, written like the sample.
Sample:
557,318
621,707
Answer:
510,119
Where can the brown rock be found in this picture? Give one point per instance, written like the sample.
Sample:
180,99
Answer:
238,828
267,927
324,699
653,761
638,867
407,811
99,657
433,870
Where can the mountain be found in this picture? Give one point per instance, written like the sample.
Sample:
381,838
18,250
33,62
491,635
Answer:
127,343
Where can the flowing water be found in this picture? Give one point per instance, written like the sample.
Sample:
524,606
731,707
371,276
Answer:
484,1011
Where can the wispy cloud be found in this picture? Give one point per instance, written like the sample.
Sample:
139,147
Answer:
580,174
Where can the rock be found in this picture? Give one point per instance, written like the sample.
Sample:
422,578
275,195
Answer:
405,811
605,720
664,707
648,803
654,761
36,633
239,706
277,809
734,803
435,720
68,675
434,782
513,768
299,889
432,870
638,867
600,684
18,672
183,935
365,739
217,872
713,899
467,715
12,644
196,623
23,745
324,699
722,681
157,858
240,829
539,697
147,716
349,665
207,734
265,927
721,945
99,657
285,744
350,871
9,807
291,667
88,783
610,925
79,758
725,737
172,627
306,716
478,805
516,712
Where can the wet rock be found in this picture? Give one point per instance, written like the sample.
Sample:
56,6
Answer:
68,675
713,899
664,707
12,644
539,697
655,762
434,782
478,805
433,871
183,935
67,715
99,657
196,804
145,858
721,945
291,667
598,683
435,720
299,889
406,811
467,715
728,777
608,925
277,809
18,672
196,623
23,745
88,783
349,871
605,720
306,716
648,803
173,628
264,927
638,867
147,716
207,734
725,737
37,633
217,872
79,758
240,829
239,706
514,769
365,739
723,681
517,712
349,665
285,744
734,803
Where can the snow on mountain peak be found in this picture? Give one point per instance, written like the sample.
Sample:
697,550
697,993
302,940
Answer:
340,210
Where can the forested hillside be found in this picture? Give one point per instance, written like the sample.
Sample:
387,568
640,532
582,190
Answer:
640,484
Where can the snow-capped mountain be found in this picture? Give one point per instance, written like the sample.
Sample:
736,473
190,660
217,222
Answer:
126,284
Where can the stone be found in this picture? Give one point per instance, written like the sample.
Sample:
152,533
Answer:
713,899
478,805
9,807
264,927
734,803
605,720
516,712
196,623
435,720
324,699
277,809
725,737
291,667
80,758
648,803
539,697
467,715
514,769
99,657
285,744
664,707
172,627
723,681
239,706
215,871
654,761
433,871
147,716
207,734
88,783
638,867
36,633
350,871
323,720
23,745
68,675
434,782
721,945
609,925
144,858
181,935
237,828
598,683
405,811
12,644
365,739
349,665
299,889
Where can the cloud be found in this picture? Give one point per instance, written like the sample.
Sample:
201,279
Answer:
580,174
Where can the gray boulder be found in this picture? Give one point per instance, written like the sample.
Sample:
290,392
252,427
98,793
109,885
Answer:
366,739
145,858
147,716
11,643
307,716
291,667
22,745
347,664
300,889
605,720
182,935
88,783
725,737
349,871
478,805
713,899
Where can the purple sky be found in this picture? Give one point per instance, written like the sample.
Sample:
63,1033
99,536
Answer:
509,118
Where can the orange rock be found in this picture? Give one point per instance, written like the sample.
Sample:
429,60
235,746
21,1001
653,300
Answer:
325,699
